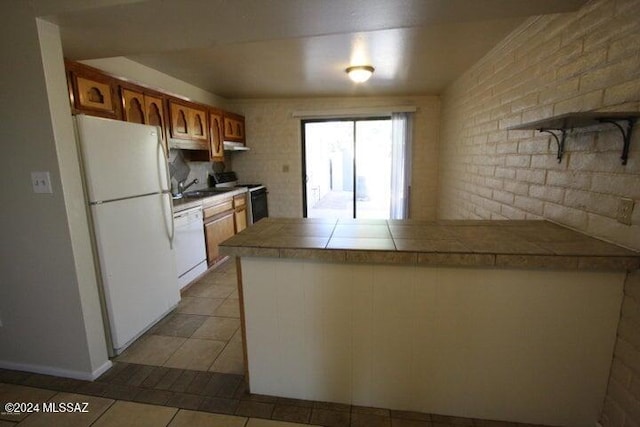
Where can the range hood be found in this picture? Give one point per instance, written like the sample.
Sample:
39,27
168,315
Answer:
234,146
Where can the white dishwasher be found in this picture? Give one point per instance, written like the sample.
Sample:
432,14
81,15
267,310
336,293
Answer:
189,246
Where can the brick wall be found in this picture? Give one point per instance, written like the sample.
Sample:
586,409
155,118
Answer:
551,65
588,60
274,137
622,404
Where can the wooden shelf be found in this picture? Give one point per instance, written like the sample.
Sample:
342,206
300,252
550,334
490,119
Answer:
559,125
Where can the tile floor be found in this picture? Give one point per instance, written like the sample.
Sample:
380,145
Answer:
202,334
106,412
188,371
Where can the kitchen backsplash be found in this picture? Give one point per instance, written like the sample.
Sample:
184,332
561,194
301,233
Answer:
197,170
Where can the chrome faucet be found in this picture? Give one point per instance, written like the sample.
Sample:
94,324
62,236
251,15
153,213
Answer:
182,187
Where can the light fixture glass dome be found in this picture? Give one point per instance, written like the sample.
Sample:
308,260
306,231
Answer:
360,73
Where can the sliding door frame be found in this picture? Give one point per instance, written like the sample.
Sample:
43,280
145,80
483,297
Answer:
304,153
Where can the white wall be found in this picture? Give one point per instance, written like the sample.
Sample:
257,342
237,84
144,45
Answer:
48,297
274,137
138,73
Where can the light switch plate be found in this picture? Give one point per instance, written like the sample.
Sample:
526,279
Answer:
625,211
41,182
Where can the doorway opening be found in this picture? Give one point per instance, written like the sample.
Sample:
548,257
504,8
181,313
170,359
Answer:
347,168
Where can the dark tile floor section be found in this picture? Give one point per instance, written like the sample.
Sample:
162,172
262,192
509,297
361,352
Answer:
227,394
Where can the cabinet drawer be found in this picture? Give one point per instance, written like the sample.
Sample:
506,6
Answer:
239,201
212,210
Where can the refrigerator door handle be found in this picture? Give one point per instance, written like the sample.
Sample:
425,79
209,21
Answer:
164,163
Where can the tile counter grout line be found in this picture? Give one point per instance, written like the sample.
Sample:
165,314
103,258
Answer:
393,240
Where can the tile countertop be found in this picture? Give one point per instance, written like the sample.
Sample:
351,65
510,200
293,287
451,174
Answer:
502,244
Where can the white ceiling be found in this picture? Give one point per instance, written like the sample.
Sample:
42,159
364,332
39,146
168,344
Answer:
286,48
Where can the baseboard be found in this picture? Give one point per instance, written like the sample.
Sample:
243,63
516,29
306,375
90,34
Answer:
57,372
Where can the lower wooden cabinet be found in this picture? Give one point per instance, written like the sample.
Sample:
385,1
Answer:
241,219
216,231
219,225
240,206
223,218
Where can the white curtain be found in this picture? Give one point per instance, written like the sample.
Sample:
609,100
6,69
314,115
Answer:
400,165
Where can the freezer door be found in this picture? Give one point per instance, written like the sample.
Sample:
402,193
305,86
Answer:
137,264
120,159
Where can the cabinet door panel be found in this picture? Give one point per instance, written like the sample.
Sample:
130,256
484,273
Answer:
198,120
234,127
216,149
241,219
95,95
133,103
154,111
179,121
216,232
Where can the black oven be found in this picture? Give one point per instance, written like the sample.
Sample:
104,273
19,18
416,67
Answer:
258,204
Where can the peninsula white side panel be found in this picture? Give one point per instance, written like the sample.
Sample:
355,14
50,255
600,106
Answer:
516,345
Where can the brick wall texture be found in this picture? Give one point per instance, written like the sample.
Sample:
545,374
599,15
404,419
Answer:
551,65
274,136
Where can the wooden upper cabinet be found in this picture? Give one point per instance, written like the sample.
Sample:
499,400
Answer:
154,111
188,122
234,127
184,124
133,106
93,95
198,120
216,136
91,91
139,107
179,120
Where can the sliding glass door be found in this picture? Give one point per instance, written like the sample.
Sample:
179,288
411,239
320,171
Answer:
347,168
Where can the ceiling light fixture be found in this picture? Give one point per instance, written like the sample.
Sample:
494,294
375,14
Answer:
360,73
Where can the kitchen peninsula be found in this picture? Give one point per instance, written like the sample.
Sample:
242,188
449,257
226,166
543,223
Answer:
504,320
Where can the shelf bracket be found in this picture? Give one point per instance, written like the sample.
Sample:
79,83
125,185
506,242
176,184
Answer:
626,134
559,141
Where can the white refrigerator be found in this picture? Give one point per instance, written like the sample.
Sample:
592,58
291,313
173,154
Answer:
127,187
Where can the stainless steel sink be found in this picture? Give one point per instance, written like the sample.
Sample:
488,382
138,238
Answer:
206,192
